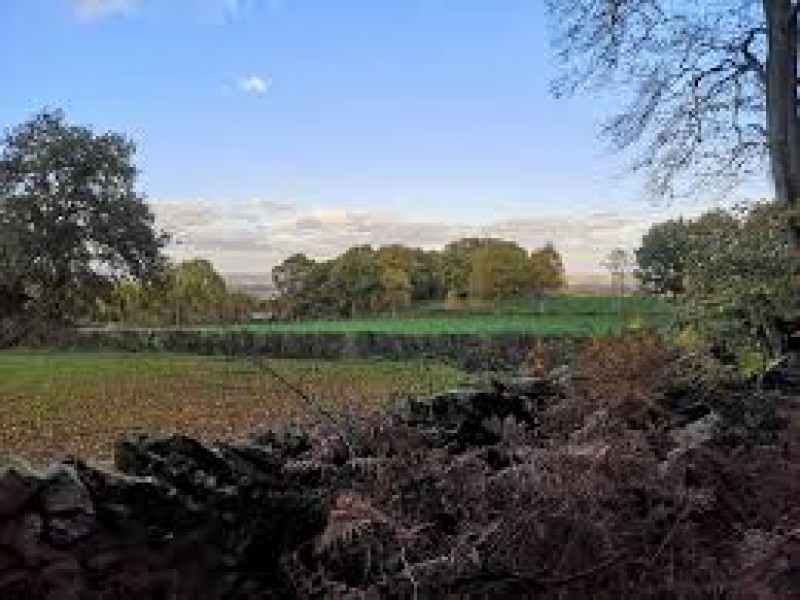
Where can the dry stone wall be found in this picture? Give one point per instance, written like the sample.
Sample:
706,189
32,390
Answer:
183,521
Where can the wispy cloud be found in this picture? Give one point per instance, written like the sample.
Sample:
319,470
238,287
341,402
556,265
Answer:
250,237
240,8
93,10
253,85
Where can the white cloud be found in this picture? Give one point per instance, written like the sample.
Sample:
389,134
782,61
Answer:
252,236
92,10
253,85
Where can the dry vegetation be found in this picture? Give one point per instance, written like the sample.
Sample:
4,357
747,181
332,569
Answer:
619,487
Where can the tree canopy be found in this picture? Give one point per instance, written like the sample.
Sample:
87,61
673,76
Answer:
661,258
731,273
186,293
364,280
71,220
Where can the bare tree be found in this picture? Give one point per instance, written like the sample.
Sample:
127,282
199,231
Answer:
618,262
711,87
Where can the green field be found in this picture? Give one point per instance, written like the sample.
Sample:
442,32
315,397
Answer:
78,403
577,316
548,325
552,316
556,305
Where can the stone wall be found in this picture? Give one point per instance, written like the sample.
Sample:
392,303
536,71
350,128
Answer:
183,521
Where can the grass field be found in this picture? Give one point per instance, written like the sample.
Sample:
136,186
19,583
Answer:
565,304
78,403
577,316
548,325
566,315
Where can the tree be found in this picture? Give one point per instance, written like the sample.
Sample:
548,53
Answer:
395,262
188,293
708,232
548,269
396,285
667,249
457,265
293,283
661,258
238,307
713,87
427,276
395,256
411,274
500,269
290,277
356,278
618,262
740,277
71,221
732,271
124,303
195,292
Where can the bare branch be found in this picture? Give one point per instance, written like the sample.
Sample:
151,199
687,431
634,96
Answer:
694,76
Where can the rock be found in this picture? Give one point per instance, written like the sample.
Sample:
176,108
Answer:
17,487
22,537
62,579
183,520
64,493
64,531
696,433
66,506
466,418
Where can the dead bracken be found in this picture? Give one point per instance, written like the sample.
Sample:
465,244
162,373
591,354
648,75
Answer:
578,484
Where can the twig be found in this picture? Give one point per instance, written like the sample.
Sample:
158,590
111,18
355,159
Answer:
311,402
670,534
409,571
541,583
342,424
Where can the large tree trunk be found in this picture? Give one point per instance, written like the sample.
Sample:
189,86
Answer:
783,134
783,126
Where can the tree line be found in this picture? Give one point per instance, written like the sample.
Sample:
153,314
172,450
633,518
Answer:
365,280
79,244
191,292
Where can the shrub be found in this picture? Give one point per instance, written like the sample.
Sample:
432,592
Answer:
624,373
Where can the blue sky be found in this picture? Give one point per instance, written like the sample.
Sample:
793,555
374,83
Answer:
408,113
